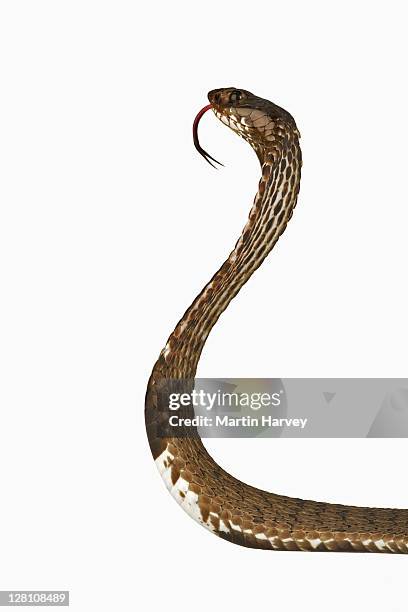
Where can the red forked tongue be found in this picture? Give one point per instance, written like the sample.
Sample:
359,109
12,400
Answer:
197,145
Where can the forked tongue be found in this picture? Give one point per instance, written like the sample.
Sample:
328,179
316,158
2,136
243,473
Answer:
197,145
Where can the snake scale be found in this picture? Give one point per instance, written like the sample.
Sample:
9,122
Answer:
226,506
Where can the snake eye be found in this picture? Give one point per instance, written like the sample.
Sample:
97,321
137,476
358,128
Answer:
235,96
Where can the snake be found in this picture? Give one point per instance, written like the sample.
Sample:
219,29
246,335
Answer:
232,510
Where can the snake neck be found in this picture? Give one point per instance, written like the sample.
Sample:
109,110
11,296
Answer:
272,208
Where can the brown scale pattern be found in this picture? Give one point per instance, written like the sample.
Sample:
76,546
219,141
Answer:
236,511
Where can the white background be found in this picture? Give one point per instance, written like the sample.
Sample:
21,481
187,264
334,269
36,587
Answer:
111,224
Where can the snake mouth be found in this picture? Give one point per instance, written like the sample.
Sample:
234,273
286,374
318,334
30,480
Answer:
197,145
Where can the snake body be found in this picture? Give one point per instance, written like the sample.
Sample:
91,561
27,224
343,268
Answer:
226,506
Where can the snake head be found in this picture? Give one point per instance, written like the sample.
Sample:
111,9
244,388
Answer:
260,122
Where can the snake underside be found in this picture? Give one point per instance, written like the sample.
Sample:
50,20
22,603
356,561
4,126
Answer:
226,506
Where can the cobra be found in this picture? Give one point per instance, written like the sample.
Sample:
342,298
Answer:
232,510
